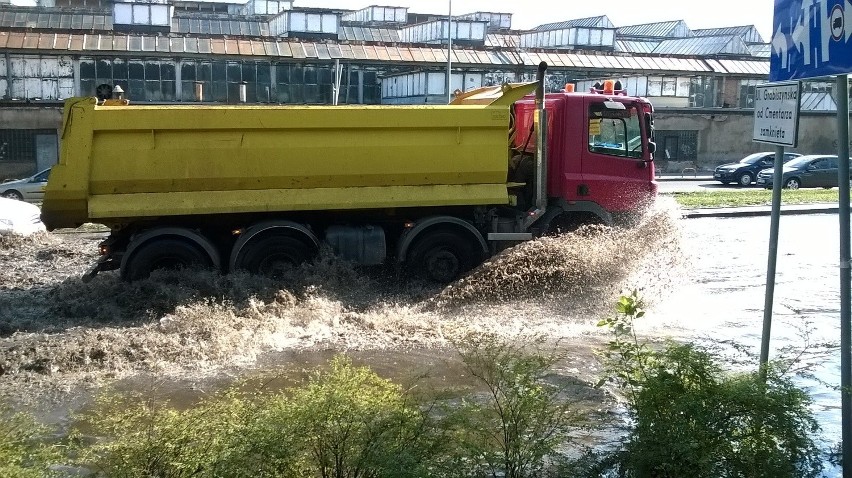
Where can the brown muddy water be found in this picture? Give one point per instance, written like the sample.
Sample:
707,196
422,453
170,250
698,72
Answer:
193,331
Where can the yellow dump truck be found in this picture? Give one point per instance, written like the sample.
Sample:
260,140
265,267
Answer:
263,187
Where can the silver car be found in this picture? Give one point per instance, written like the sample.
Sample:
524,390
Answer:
30,189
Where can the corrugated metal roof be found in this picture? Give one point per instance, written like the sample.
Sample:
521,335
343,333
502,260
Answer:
378,35
740,67
636,46
497,40
234,26
723,45
50,18
761,51
601,21
818,101
94,44
748,33
670,29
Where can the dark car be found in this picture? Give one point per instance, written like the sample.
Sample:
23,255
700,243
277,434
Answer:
813,171
745,170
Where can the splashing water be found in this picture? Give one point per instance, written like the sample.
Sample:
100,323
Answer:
53,327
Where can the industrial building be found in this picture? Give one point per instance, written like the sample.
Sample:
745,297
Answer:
271,51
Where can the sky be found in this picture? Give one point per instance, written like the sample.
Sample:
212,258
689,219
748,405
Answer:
529,13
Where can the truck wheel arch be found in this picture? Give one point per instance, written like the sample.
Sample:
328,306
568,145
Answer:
189,235
259,229
561,206
411,235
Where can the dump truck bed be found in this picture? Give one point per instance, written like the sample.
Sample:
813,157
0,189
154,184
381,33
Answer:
120,163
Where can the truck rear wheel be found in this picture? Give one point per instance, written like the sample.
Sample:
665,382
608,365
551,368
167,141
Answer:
442,256
166,253
273,255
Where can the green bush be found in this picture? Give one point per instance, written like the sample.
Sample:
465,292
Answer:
143,437
522,420
347,422
691,418
23,452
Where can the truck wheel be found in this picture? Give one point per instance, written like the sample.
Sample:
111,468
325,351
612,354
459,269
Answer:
441,256
164,254
274,254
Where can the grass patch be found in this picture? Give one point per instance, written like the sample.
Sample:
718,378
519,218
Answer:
752,197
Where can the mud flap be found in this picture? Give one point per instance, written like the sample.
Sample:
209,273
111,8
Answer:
106,263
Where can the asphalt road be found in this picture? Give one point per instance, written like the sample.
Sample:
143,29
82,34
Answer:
672,185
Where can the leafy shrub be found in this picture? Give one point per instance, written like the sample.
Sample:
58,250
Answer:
691,418
22,450
523,418
144,437
347,422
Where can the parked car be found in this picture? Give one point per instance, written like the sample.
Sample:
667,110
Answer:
744,171
18,217
813,171
29,189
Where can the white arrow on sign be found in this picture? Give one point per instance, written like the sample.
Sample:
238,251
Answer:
780,45
802,33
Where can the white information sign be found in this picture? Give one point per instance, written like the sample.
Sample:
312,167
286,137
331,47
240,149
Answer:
776,114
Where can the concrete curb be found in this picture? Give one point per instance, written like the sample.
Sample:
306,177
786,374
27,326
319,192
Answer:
757,211
685,178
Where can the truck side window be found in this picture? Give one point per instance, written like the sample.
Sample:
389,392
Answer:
615,132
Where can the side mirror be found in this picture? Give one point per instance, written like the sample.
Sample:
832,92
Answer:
652,147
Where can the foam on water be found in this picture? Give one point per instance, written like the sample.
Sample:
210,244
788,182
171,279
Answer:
56,328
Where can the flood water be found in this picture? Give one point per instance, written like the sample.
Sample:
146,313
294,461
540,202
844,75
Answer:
722,298
703,278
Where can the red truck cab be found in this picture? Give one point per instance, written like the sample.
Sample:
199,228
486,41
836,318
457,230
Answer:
599,151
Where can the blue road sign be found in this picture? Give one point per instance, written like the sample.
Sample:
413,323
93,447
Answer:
810,39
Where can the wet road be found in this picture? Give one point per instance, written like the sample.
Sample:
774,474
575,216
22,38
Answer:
722,299
672,185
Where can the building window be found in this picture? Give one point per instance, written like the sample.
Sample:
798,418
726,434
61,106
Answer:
220,80
677,145
37,77
703,92
141,80
312,84
747,92
19,145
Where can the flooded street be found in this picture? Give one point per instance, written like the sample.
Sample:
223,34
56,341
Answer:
183,335
722,297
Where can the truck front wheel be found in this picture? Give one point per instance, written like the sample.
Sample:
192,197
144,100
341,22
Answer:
442,256
166,253
273,255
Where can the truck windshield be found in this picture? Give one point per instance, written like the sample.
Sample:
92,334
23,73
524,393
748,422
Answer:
615,132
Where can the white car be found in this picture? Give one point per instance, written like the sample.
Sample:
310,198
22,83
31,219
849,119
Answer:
17,217
29,189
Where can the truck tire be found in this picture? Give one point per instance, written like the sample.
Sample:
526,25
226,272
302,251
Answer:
166,253
442,256
273,254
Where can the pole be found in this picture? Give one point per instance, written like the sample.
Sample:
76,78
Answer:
777,176
842,88
449,52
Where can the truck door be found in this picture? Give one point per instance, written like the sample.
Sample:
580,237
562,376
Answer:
615,173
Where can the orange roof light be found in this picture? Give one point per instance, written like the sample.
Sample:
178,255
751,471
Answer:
569,87
609,87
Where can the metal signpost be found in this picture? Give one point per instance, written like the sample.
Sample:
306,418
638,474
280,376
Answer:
776,121
813,38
